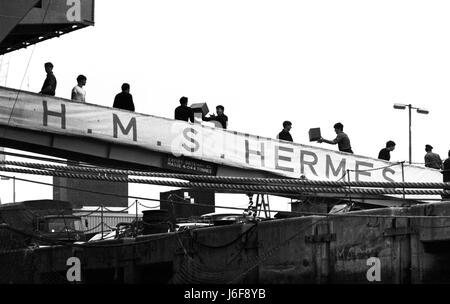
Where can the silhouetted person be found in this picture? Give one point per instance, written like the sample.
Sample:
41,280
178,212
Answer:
446,174
124,100
341,139
432,160
284,134
49,86
183,112
221,117
78,93
385,153
446,168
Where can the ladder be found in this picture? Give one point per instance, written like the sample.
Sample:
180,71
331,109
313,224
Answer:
263,205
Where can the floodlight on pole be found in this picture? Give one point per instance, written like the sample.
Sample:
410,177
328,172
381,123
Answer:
422,111
400,106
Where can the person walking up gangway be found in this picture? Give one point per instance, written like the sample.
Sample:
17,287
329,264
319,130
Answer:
124,100
385,153
78,93
284,134
49,86
183,112
221,117
342,139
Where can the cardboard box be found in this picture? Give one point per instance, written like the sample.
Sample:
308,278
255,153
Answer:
200,108
314,134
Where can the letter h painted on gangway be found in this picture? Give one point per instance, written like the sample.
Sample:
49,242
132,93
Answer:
48,113
249,152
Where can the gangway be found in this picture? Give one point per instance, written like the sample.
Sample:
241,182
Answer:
114,137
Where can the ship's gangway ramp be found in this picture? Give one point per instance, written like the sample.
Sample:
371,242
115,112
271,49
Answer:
114,137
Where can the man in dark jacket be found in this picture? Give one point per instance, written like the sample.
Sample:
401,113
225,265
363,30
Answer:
221,117
284,134
124,100
432,160
183,112
385,153
49,86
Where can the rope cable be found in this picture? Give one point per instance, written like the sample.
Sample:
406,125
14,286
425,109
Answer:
221,179
237,188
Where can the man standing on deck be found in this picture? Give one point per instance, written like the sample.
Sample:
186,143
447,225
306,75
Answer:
221,117
446,173
341,139
183,112
432,160
49,86
284,134
124,100
78,93
385,153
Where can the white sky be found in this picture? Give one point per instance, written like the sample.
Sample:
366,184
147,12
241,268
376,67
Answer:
311,62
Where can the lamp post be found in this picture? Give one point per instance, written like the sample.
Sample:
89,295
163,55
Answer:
400,106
